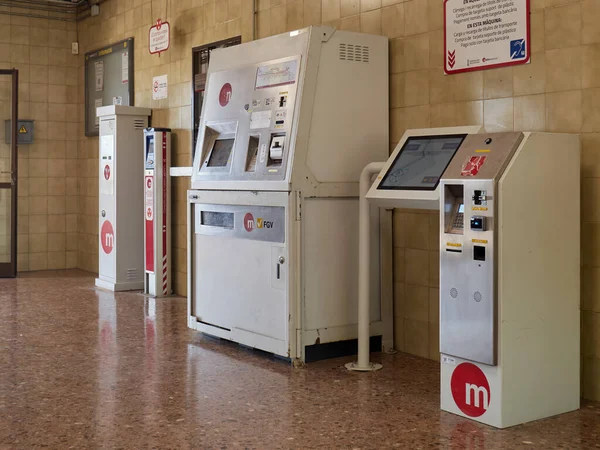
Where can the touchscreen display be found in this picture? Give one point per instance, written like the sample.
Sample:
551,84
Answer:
220,153
421,162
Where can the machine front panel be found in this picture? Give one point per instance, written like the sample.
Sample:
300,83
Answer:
468,243
256,223
107,201
467,278
247,122
240,280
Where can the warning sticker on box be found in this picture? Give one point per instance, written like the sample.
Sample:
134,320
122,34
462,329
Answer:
472,166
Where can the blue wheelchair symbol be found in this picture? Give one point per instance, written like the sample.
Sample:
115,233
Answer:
517,49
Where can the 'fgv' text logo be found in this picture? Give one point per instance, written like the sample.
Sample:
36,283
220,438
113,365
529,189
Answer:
250,223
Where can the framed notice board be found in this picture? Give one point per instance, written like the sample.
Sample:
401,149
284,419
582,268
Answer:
108,80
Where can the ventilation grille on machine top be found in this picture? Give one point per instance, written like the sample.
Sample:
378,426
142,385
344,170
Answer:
139,124
356,53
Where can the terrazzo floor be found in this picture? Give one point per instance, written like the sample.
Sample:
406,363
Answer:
83,368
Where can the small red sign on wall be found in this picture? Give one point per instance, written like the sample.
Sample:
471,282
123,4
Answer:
159,37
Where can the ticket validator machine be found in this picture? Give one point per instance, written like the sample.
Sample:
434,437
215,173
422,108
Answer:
509,266
157,212
121,197
510,278
288,123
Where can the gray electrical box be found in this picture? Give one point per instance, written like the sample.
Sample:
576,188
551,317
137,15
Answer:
24,131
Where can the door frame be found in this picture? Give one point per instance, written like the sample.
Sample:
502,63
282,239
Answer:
9,269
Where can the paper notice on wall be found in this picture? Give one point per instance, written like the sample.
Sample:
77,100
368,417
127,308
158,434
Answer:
99,71
482,34
117,100
97,104
125,67
260,119
160,87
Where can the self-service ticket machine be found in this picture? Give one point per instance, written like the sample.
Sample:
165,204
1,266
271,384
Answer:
121,197
157,212
509,278
509,265
288,123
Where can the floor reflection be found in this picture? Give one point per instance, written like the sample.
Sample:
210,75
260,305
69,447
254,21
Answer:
82,368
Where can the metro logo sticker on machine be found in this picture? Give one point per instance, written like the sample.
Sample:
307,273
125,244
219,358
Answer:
225,94
107,237
250,222
472,166
470,389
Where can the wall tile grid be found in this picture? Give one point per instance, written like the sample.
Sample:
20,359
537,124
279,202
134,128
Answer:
193,23
558,92
47,184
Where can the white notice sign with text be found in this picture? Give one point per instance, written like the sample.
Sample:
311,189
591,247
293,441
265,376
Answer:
160,87
483,34
159,37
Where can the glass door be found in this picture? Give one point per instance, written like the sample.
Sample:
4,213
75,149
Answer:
9,82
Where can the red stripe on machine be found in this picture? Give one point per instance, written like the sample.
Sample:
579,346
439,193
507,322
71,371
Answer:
149,216
164,210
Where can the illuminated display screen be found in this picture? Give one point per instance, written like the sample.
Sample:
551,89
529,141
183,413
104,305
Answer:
421,162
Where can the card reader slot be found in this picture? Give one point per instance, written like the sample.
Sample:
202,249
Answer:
252,153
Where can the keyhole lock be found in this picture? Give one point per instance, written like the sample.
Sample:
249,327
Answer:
281,260
103,213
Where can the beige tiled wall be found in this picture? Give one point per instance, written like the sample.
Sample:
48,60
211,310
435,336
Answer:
558,92
193,23
47,204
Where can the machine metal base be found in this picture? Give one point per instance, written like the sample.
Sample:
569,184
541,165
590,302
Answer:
116,287
371,367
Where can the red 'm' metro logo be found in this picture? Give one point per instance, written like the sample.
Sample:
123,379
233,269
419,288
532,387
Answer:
470,389
249,222
225,94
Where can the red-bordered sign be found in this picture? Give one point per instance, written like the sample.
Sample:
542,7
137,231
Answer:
484,35
159,37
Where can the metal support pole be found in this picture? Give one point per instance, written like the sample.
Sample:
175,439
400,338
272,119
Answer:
364,267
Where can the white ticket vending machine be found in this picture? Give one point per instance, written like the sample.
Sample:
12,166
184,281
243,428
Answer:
121,198
509,265
288,123
510,278
157,211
